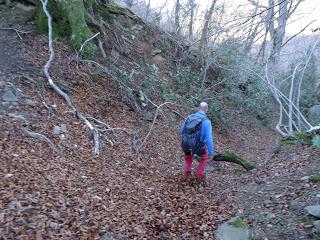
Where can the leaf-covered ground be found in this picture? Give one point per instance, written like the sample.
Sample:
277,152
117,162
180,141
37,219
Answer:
76,195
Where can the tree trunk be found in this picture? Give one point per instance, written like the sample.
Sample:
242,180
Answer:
233,158
68,19
204,34
177,18
192,7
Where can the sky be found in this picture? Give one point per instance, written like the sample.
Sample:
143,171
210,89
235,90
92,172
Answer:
307,11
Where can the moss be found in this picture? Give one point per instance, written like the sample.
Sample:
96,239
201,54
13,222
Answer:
238,223
60,23
315,178
297,139
232,157
287,143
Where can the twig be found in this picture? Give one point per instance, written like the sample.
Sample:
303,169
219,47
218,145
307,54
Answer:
153,122
16,30
298,33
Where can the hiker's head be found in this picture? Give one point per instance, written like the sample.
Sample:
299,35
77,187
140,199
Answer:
203,107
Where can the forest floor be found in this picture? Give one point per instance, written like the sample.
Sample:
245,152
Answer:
70,193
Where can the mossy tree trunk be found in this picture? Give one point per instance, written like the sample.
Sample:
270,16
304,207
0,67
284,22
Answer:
72,18
233,158
75,12
69,20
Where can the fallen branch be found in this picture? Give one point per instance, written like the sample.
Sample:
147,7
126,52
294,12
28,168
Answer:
94,131
41,137
233,158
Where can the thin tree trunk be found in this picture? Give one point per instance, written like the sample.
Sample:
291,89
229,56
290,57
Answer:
190,32
177,18
205,29
148,10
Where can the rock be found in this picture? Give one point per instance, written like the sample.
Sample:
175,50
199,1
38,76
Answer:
106,236
156,51
30,102
233,229
305,178
316,225
268,203
2,84
209,168
4,105
18,116
60,129
296,205
9,96
314,210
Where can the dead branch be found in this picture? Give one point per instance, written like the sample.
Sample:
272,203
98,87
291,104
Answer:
101,49
42,138
18,32
153,122
94,132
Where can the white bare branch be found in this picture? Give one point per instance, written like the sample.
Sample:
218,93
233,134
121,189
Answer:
94,131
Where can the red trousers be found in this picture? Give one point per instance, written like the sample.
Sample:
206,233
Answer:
188,159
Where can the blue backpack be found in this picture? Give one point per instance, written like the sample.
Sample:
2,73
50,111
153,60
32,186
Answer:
190,136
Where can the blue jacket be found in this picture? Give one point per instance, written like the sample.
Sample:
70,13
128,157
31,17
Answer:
206,133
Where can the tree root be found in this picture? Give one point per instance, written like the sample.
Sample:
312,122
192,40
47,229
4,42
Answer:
94,132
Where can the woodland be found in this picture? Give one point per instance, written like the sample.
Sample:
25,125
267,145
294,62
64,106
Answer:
92,94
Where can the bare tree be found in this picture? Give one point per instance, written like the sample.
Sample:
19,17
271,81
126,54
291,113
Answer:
147,10
177,17
205,29
192,6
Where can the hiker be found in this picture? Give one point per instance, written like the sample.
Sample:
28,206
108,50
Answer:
197,139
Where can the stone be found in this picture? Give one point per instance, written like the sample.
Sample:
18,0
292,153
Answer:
305,178
18,116
231,230
209,168
30,102
60,129
313,210
4,105
316,225
9,96
296,205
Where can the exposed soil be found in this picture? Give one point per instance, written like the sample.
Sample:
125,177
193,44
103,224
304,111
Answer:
77,195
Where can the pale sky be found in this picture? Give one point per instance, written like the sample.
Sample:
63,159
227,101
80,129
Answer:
307,11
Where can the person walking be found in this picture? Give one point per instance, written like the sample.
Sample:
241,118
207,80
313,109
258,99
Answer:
197,139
